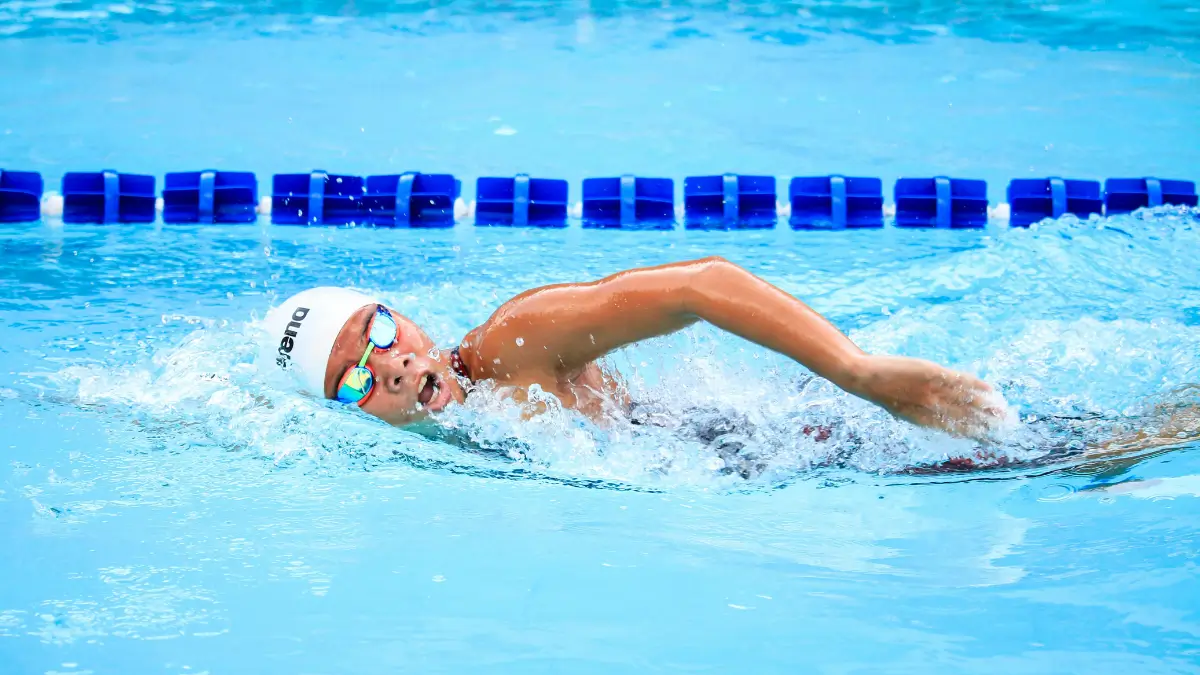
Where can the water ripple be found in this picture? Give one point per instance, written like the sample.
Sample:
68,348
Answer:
1067,319
1077,24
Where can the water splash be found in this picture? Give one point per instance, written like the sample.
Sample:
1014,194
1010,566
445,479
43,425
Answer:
1084,326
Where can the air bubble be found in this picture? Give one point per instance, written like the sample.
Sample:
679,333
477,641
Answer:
520,342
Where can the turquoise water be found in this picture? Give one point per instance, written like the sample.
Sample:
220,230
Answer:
166,509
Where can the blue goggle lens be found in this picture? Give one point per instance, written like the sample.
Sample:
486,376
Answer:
383,329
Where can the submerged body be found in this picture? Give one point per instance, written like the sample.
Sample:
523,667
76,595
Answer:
1103,441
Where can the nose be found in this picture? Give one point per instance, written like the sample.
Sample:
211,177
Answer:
399,371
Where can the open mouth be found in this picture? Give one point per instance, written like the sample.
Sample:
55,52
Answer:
430,391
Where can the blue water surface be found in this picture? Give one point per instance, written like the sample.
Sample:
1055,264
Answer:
165,507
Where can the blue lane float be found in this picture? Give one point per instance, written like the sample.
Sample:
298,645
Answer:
941,202
1124,195
835,202
521,201
411,199
210,197
20,196
316,198
729,202
1031,200
108,197
629,202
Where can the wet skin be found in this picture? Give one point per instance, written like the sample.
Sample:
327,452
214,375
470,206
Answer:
552,337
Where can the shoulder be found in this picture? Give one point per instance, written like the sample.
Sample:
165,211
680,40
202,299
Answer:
469,349
485,347
513,342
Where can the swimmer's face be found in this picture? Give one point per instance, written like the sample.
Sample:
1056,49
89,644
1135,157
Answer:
409,382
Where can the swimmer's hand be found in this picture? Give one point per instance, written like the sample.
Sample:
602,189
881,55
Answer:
929,395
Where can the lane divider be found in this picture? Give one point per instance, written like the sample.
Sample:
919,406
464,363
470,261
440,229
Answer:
712,202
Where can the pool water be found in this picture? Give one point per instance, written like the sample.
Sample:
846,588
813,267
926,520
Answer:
165,507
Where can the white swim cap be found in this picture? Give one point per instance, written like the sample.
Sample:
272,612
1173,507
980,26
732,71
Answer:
302,330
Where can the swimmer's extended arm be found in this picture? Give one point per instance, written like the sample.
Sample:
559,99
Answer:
567,326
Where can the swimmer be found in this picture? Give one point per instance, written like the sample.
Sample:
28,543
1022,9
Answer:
343,345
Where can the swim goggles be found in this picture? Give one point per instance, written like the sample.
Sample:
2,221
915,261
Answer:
358,382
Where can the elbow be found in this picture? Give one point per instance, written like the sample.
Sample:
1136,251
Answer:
710,271
709,278
713,261
714,271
